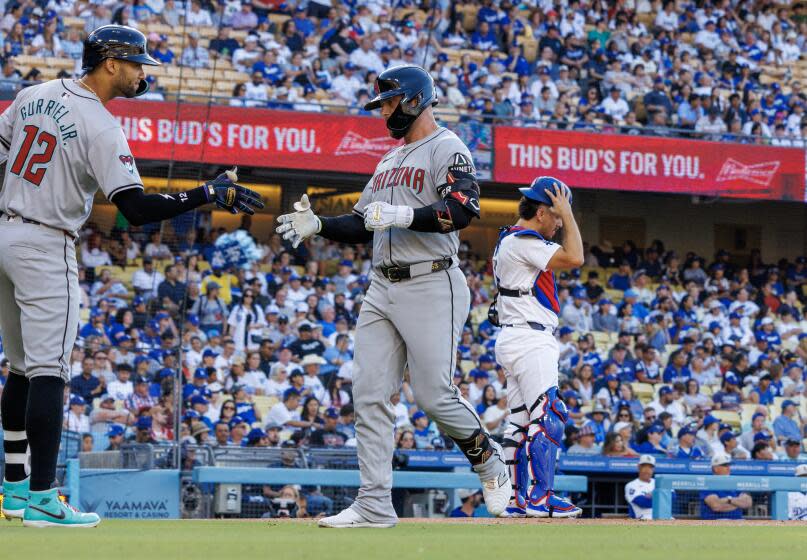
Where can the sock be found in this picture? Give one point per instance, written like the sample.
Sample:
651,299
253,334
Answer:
43,424
12,410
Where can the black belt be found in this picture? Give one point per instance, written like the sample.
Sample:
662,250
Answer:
398,273
34,222
533,325
507,292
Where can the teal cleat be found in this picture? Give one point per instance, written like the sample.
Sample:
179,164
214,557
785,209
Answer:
46,509
15,498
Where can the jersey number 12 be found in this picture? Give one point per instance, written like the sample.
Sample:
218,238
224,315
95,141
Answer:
43,138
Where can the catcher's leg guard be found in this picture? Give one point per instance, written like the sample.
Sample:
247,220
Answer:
549,415
515,452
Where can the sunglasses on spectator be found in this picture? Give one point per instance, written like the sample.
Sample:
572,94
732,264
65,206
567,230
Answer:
229,408
624,416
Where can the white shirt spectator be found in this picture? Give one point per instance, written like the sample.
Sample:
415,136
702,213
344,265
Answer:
280,415
316,386
157,251
667,20
195,57
346,87
674,408
256,94
145,282
615,109
77,423
708,39
92,258
401,415
368,60
198,18
120,390
244,59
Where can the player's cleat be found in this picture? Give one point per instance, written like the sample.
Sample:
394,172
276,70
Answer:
15,498
351,519
45,509
552,505
513,510
497,493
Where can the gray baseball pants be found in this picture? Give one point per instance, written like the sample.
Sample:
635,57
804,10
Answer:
415,323
39,298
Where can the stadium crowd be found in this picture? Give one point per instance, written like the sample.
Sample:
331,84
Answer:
721,69
666,354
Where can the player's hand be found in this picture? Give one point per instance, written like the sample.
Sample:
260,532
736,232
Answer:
561,203
227,194
299,225
379,216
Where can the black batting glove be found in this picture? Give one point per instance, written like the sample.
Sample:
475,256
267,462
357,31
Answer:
227,194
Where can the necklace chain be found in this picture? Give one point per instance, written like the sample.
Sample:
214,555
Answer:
84,84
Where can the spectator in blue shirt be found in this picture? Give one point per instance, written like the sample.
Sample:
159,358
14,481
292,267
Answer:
763,393
86,385
484,39
470,501
653,444
677,370
686,445
785,426
621,279
303,24
724,504
730,397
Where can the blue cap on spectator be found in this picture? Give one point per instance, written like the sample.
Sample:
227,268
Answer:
786,403
479,374
331,412
199,399
723,426
209,354
686,430
611,377
726,436
631,293
708,420
200,373
418,415
565,330
714,325
138,300
162,315
235,420
115,430
77,400
579,293
290,393
346,262
665,390
255,434
655,429
165,373
605,301
193,319
735,315
731,379
143,423
762,436
757,415
570,394
486,359
190,415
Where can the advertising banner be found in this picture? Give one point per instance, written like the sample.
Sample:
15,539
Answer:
130,494
649,163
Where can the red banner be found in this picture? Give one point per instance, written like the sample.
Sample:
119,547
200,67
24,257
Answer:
254,137
647,163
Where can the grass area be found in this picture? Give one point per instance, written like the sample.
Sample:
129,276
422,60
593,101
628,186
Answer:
128,540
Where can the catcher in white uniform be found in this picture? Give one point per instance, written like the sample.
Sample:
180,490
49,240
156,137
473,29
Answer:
527,309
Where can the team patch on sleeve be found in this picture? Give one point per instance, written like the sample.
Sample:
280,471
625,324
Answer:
460,163
128,163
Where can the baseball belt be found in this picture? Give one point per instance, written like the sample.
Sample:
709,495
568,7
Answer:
398,273
11,217
532,325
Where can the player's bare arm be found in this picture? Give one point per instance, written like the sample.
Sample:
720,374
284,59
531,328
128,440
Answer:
570,254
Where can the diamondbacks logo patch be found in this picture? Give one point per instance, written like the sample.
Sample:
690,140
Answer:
128,163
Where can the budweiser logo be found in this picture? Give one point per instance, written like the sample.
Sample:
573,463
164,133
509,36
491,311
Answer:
353,144
759,174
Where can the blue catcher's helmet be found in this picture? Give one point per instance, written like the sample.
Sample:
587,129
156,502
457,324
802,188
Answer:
537,190
413,83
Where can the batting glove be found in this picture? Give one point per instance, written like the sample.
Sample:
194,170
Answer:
379,216
228,195
299,225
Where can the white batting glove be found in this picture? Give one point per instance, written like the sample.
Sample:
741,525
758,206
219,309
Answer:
379,216
299,225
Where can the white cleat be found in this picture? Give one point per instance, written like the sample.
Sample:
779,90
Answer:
350,519
497,493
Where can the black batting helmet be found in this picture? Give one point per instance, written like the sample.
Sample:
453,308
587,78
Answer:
413,83
119,42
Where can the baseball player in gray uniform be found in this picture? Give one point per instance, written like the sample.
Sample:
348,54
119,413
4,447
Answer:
61,145
420,195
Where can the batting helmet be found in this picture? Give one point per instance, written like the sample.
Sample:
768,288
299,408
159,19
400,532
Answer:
119,42
537,190
413,83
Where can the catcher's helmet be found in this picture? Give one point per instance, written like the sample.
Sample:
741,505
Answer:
413,83
537,190
119,42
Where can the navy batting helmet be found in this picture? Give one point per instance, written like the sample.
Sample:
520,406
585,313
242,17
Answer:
119,42
413,83
537,190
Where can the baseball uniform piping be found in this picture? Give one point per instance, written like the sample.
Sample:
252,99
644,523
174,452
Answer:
67,315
